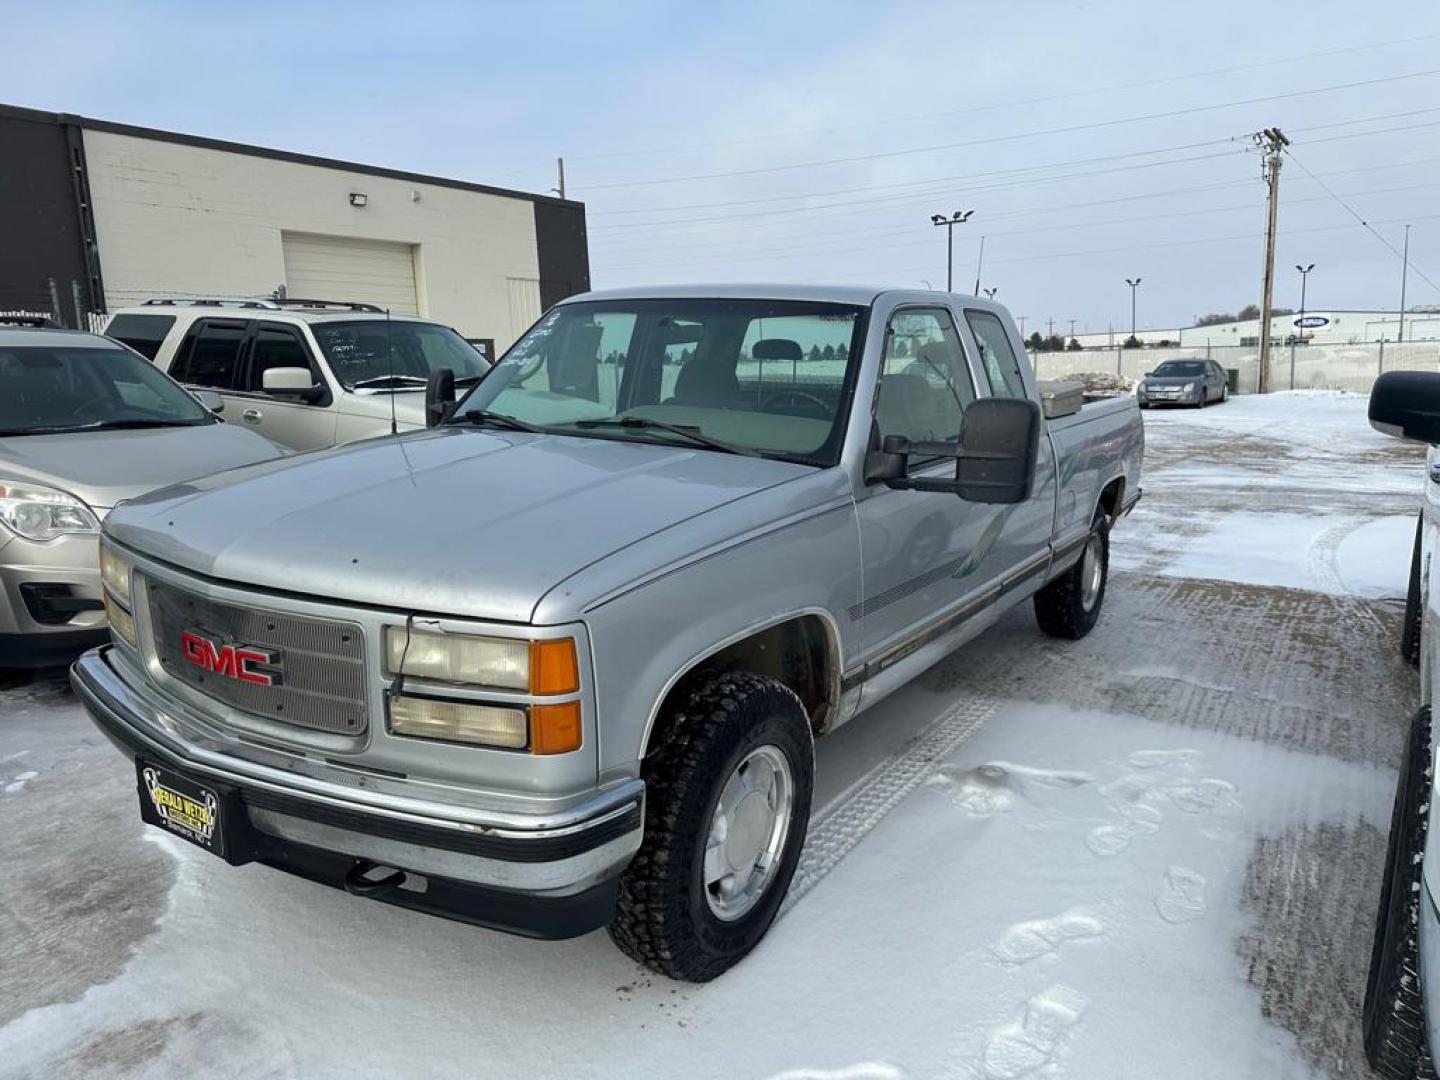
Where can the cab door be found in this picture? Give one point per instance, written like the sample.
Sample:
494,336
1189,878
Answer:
299,420
921,549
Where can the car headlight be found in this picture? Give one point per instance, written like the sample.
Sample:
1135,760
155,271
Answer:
1189,386
115,573
38,512
539,667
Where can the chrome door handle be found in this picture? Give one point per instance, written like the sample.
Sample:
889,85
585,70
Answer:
251,416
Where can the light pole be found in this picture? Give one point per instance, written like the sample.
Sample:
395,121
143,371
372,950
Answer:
959,217
990,292
1134,285
1404,279
1300,325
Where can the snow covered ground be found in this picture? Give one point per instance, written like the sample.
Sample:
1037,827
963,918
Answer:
1152,853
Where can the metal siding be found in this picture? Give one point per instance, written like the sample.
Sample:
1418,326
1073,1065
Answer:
343,268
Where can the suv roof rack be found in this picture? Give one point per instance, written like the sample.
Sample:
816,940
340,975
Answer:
343,305
37,322
211,301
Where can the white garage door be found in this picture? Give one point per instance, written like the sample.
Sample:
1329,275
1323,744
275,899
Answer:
343,268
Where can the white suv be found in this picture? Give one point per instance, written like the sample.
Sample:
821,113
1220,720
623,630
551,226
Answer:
305,373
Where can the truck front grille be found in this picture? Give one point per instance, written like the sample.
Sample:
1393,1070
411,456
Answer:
292,669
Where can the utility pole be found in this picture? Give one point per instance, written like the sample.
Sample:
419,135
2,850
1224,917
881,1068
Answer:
1072,331
1134,284
1404,275
979,263
957,218
1049,330
560,166
1273,142
1021,320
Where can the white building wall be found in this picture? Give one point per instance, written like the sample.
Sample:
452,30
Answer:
178,219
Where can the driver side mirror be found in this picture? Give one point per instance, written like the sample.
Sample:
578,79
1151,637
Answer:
1406,404
995,458
439,396
292,381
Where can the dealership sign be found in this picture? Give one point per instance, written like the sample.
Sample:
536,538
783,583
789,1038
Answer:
1309,322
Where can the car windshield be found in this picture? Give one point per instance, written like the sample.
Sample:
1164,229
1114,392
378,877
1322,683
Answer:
1180,369
759,376
45,390
387,355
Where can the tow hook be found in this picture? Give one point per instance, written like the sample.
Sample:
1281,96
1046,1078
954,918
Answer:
358,884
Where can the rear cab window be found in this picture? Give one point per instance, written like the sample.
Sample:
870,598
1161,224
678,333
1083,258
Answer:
998,361
143,333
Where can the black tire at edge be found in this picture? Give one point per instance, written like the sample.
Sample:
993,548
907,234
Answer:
1058,609
1393,1017
662,919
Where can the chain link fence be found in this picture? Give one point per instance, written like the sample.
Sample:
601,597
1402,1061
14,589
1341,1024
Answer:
1292,367
65,303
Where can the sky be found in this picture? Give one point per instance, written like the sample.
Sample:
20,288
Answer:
812,142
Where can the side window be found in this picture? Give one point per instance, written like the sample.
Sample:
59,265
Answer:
997,355
143,333
277,347
213,355
924,383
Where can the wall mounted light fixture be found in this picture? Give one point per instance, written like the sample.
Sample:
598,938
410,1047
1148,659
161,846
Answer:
358,198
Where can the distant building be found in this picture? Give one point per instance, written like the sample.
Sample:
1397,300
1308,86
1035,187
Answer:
96,215
1324,327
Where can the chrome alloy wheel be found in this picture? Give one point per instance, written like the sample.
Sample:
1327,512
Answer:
1092,572
747,833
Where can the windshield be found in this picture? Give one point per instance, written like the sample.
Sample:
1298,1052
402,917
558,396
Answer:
766,376
1180,369
365,354
44,390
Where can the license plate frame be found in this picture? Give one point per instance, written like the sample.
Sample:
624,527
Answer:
206,815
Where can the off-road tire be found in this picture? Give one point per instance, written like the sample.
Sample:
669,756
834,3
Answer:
663,919
1394,1019
1410,629
1059,606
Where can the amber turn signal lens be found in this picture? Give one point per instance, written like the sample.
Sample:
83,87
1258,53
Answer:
555,729
553,669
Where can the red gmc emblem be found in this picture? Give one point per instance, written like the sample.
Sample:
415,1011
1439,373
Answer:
246,663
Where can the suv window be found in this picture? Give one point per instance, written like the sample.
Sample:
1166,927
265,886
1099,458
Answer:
277,347
997,355
212,356
143,333
924,383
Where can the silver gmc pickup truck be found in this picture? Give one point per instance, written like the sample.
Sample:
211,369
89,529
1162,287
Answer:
558,662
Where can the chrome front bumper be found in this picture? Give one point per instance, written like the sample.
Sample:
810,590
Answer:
566,852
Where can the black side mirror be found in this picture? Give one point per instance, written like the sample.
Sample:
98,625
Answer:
994,460
1406,404
439,396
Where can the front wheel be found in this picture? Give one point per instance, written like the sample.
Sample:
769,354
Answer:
726,809
1394,1017
1070,605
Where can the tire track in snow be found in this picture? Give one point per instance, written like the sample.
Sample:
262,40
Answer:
843,822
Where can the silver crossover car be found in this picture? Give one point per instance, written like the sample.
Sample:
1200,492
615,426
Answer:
84,424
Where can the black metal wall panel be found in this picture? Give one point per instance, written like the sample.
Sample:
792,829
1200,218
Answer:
564,251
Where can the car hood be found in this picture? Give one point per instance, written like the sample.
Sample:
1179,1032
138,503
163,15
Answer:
1171,380
409,406
452,521
106,467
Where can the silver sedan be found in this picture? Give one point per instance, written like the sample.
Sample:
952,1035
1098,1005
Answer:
84,424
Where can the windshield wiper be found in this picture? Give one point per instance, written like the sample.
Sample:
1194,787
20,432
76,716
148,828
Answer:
685,431
387,380
493,419
120,425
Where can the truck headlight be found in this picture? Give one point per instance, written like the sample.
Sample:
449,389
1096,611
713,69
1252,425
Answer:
38,512
459,721
539,667
115,573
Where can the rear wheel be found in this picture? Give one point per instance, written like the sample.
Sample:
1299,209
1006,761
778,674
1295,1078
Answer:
1414,613
1070,605
726,809
1394,1020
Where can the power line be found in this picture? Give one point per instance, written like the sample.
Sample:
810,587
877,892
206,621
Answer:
991,140
1114,88
1356,215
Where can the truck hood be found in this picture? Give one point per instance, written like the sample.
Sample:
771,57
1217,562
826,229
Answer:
105,467
452,521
